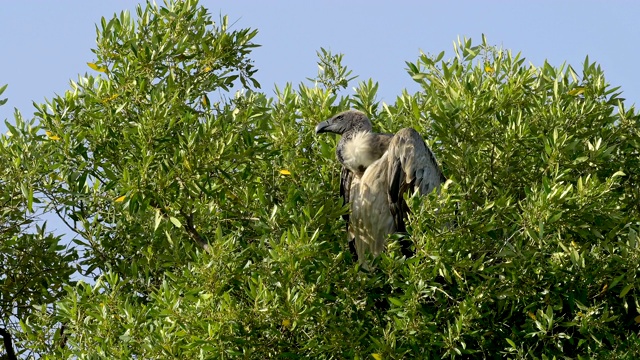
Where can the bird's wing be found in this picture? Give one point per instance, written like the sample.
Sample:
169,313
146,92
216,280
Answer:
346,178
345,188
412,166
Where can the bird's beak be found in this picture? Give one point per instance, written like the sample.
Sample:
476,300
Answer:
323,127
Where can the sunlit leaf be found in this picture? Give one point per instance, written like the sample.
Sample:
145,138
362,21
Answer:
110,98
51,136
205,101
576,91
175,222
604,288
157,219
169,239
96,67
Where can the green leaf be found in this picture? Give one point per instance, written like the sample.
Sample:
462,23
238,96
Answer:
618,173
27,192
2,89
157,219
626,289
11,128
175,222
396,301
555,217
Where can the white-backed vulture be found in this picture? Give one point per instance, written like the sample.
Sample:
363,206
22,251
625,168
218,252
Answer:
377,169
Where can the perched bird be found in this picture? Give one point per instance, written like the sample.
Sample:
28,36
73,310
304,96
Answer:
377,169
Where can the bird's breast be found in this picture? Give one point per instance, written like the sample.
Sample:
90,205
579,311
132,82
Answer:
358,153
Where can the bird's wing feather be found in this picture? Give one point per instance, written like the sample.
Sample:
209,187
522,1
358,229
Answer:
412,166
345,188
346,180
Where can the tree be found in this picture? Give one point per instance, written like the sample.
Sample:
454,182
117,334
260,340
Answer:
210,221
35,263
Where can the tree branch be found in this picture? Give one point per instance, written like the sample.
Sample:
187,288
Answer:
63,336
191,230
8,345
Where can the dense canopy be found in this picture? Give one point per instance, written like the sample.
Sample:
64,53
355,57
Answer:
203,216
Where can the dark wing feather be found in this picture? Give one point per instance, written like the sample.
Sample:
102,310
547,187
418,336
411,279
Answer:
412,166
345,192
397,188
345,188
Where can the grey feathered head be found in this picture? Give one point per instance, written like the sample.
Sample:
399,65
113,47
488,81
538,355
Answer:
345,122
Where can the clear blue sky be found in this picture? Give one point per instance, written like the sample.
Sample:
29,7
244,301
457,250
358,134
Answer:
44,44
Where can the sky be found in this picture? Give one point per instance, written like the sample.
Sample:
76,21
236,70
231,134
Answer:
44,44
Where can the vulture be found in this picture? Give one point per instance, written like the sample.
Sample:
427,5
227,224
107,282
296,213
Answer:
377,170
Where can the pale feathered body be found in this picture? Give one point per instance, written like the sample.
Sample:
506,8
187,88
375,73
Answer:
377,170
362,150
371,218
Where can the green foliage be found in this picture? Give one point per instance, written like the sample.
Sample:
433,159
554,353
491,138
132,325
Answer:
35,264
542,162
133,136
212,227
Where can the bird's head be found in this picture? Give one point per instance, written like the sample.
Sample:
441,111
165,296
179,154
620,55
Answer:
346,122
